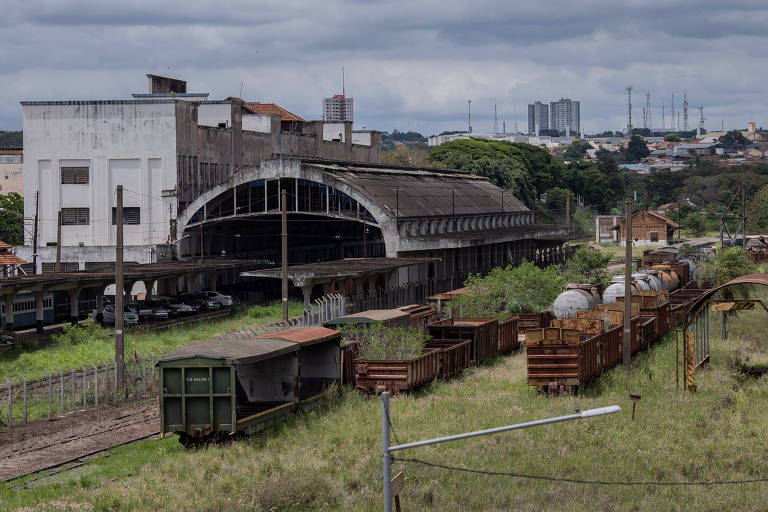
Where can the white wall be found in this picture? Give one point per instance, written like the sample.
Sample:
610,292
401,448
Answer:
211,114
363,138
333,131
132,143
261,123
11,178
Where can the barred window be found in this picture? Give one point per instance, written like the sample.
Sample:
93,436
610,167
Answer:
131,215
74,175
75,216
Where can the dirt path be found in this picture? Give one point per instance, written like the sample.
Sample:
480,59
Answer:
42,444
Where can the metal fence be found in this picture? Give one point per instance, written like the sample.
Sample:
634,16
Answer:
410,293
76,389
325,308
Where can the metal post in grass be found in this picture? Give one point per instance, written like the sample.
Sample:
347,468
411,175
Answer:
24,394
106,381
50,394
10,402
95,385
388,449
72,373
117,388
85,387
61,382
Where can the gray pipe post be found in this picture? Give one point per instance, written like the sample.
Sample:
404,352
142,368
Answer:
85,387
106,381
50,395
61,383
386,456
627,349
24,394
72,372
95,384
10,402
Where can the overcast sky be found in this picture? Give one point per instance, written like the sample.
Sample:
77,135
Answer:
409,64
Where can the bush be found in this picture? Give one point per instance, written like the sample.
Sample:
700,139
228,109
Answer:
729,264
378,342
77,334
695,223
589,264
522,289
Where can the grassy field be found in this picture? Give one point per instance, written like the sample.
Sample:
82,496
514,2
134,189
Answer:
329,459
86,346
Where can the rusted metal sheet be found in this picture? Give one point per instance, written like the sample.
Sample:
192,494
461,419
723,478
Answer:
534,320
700,301
454,355
508,339
397,376
421,316
482,331
552,336
583,325
349,353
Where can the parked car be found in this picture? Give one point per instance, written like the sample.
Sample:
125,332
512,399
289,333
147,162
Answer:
210,302
174,306
149,311
130,317
201,303
224,300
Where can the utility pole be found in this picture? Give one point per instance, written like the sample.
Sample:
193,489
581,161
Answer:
58,242
119,342
284,265
34,237
627,349
202,242
568,209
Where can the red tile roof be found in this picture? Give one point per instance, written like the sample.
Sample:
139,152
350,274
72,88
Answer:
7,258
267,109
4,245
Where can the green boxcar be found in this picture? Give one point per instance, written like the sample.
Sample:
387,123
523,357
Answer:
218,387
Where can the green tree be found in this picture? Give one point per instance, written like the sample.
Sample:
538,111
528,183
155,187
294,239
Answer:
522,289
757,216
637,149
587,264
695,224
404,155
733,139
577,150
672,137
728,265
12,218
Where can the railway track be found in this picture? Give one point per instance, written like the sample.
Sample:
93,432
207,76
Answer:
88,435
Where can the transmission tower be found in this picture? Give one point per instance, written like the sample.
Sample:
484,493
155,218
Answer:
495,120
701,119
629,110
662,117
685,111
648,123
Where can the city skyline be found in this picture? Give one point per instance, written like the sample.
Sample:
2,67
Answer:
412,70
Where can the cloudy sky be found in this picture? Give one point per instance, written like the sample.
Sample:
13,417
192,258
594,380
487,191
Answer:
409,64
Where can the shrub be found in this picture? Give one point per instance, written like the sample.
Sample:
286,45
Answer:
588,264
77,334
378,342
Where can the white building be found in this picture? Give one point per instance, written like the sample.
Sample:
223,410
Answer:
165,149
11,171
538,118
337,109
565,116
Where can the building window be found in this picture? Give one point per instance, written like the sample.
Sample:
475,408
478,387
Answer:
75,216
654,236
74,175
131,215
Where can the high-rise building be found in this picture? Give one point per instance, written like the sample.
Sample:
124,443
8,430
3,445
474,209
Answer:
565,116
538,117
337,109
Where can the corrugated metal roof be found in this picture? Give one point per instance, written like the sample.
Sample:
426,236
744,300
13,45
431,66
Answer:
425,192
370,316
303,335
244,351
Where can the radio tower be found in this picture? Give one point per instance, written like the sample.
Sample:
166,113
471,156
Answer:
673,112
701,120
629,110
662,117
648,111
495,120
685,111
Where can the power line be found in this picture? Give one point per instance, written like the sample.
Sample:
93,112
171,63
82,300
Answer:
579,480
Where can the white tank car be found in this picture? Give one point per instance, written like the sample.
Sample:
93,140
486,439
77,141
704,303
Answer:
576,297
616,289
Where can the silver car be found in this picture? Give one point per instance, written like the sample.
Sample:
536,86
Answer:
108,315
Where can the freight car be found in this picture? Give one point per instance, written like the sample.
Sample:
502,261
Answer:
216,388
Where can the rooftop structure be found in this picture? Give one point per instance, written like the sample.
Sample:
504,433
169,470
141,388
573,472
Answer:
337,109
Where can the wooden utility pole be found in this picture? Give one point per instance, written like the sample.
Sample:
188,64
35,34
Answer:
34,237
627,348
58,242
568,209
119,342
284,251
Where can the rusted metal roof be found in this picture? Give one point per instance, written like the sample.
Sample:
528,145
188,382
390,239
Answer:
243,351
7,258
418,193
272,108
375,315
303,335
761,279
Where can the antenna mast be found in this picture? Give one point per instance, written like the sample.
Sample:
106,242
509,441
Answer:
343,92
701,119
662,117
629,109
495,120
648,110
469,115
685,111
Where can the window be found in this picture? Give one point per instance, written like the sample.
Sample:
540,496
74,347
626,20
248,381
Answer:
75,216
74,175
131,215
654,236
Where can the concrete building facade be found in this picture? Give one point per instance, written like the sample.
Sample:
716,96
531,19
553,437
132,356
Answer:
337,109
165,149
538,118
11,171
565,116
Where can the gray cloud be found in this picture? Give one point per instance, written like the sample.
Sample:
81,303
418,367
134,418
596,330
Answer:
410,65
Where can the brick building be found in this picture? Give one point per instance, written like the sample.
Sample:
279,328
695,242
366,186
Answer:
648,228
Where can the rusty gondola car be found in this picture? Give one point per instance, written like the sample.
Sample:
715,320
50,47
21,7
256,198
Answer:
215,388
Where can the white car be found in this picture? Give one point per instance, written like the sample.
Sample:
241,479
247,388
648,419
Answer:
224,300
108,315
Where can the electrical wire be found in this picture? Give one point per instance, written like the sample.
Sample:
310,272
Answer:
579,480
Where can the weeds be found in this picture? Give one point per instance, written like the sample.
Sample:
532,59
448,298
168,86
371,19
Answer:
378,342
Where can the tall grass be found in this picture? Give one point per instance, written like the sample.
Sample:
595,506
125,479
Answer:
330,458
85,345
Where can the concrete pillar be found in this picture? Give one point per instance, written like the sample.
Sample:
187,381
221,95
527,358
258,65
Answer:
306,289
171,286
74,312
189,283
212,281
8,298
149,284
39,296
99,305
